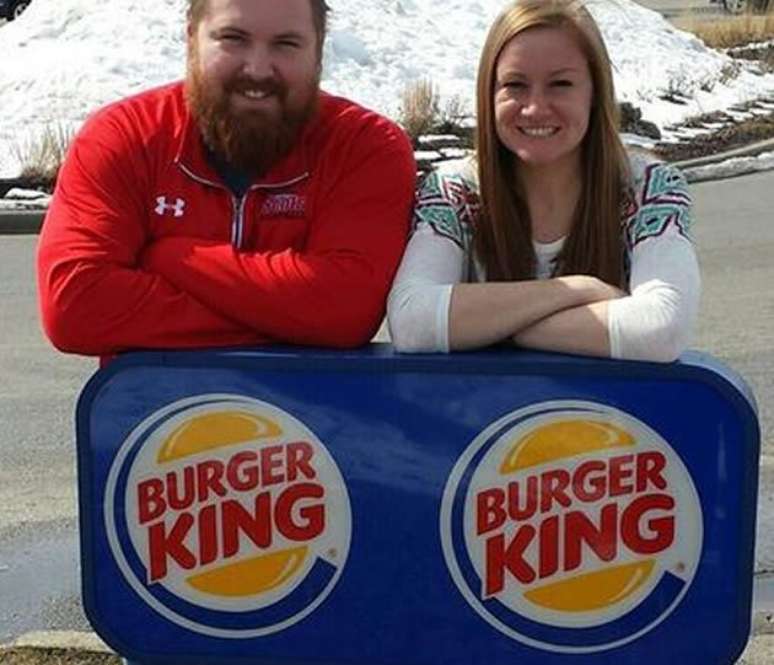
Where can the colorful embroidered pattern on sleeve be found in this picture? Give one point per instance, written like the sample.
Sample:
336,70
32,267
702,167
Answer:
449,204
663,204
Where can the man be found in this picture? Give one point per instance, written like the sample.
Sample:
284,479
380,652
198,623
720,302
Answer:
242,206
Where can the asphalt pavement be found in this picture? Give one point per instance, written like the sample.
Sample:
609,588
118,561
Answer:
735,237
39,584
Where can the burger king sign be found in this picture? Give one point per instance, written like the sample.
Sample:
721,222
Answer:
227,516
300,506
571,526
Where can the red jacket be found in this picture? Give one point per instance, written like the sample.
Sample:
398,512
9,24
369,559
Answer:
144,247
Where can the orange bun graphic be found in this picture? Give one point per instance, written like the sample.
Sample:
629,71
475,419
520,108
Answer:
561,439
216,430
252,576
592,591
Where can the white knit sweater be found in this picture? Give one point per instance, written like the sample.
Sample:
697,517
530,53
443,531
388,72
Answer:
653,322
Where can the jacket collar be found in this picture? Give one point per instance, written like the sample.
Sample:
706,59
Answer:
191,156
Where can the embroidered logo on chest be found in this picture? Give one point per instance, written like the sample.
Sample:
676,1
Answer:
284,205
163,207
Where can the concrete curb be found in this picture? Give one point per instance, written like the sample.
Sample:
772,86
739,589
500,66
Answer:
56,647
21,222
759,651
65,640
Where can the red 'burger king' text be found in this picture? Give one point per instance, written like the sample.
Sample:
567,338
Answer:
208,499
631,501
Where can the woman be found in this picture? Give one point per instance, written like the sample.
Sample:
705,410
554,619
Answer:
553,237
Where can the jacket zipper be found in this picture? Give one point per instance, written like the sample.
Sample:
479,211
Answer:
238,220
238,203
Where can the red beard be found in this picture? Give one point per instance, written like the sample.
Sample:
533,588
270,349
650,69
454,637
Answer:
250,141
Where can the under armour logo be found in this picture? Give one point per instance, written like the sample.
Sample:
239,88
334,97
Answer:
178,206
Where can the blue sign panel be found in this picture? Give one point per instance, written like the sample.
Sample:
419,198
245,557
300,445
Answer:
287,506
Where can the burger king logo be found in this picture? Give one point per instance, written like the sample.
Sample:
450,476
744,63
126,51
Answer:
227,516
571,526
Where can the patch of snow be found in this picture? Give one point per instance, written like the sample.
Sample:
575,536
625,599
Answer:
19,194
731,168
78,55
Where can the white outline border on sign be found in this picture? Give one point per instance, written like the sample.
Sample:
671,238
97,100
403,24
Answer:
447,545
123,564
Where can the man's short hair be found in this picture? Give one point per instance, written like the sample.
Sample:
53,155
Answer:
320,9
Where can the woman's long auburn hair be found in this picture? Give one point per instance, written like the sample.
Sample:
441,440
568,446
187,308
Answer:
503,238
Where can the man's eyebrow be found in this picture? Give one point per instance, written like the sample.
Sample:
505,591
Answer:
291,34
228,27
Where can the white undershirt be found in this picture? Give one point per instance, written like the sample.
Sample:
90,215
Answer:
546,253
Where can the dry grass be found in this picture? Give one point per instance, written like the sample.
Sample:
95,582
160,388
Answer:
42,158
454,112
419,111
730,31
736,135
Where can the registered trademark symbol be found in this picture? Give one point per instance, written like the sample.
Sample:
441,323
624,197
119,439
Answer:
680,567
333,553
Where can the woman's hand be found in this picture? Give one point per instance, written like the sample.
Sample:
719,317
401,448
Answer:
592,289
